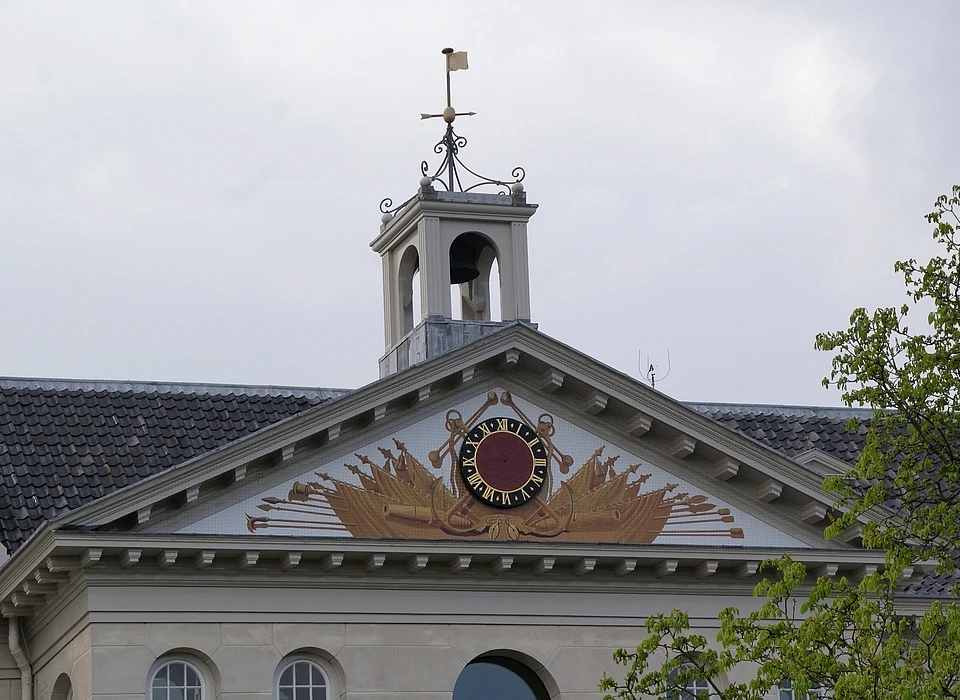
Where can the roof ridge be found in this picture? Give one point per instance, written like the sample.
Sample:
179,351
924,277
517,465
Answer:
781,409
201,388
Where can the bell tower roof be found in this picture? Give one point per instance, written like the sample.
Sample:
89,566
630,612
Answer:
448,248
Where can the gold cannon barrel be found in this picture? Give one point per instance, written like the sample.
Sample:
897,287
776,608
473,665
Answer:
301,491
597,518
421,514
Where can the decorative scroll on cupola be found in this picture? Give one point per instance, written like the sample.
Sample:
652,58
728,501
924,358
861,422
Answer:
459,230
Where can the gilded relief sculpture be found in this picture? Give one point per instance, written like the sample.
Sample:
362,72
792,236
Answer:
492,478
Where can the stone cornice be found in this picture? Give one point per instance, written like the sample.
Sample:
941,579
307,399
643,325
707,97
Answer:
420,207
64,560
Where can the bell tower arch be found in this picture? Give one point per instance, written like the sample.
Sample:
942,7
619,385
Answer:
449,233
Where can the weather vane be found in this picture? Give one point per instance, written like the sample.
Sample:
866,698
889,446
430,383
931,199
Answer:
447,175
456,60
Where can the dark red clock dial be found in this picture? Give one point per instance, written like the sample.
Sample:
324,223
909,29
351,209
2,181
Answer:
503,462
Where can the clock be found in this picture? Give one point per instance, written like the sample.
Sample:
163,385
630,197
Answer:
503,462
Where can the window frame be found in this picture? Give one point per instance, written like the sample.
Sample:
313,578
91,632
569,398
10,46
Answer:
817,692
189,663
688,691
328,673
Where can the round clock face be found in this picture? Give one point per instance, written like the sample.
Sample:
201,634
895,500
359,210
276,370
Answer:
503,462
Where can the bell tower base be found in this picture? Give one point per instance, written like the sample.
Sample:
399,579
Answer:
436,336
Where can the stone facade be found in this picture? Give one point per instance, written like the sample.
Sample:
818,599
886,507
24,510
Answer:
368,661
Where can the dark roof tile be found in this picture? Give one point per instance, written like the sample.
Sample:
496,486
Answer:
91,438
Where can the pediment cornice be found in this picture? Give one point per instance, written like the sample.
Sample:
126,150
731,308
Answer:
520,354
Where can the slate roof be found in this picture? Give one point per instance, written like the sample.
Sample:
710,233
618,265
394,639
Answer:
64,443
793,430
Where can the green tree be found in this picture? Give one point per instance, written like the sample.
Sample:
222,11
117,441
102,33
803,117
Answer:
845,635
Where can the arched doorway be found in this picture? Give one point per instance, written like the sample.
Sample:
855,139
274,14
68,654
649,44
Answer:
498,678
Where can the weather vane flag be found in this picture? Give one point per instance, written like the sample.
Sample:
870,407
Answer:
456,60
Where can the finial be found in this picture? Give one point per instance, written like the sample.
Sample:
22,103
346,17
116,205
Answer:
447,175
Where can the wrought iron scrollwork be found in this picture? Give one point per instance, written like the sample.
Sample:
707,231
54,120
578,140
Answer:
387,208
447,174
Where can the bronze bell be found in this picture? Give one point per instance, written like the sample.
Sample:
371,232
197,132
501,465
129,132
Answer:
464,256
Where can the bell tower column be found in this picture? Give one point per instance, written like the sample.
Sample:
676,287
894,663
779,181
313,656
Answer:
434,279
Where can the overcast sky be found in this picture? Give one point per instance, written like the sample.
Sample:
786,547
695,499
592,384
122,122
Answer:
188,190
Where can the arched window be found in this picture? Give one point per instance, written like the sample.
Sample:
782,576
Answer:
787,692
176,679
692,688
498,677
302,679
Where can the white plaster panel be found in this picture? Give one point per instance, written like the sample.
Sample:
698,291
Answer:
371,668
432,669
246,634
620,498
397,634
579,669
118,634
289,637
161,638
120,670
246,669
538,642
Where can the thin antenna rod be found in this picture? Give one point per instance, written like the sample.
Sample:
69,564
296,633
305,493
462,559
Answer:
651,370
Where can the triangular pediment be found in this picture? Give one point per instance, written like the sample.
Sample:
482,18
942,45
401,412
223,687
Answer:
412,483
625,465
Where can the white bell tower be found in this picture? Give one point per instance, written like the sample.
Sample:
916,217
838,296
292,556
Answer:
450,235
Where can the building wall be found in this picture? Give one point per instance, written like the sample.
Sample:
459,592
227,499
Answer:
73,661
375,661
379,638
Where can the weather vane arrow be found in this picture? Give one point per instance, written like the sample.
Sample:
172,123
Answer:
456,114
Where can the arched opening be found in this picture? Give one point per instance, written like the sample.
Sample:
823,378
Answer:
456,302
494,305
473,258
62,689
417,299
499,677
408,277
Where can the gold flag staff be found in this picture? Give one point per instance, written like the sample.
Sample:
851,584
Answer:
456,60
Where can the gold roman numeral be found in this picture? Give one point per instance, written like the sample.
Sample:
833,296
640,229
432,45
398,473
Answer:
485,429
502,424
475,479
